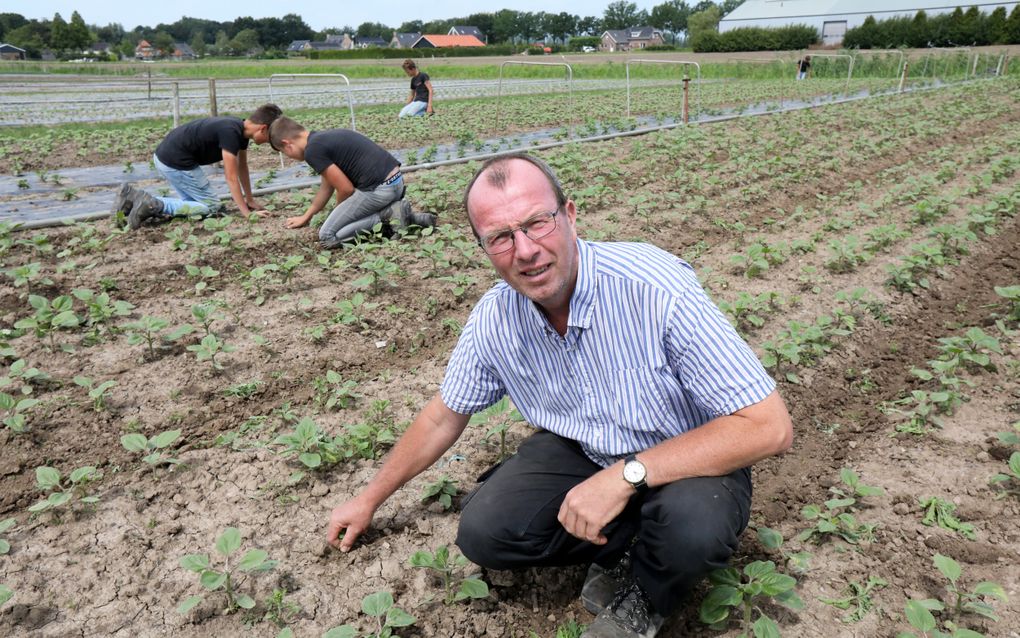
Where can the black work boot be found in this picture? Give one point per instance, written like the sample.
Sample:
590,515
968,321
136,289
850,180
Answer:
143,206
628,615
409,218
601,583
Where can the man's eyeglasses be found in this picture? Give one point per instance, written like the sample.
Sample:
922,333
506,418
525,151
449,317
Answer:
535,227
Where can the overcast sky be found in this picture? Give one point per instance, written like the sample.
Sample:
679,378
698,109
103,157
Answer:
318,15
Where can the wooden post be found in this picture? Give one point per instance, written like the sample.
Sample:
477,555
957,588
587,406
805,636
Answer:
213,110
177,104
148,73
903,78
687,82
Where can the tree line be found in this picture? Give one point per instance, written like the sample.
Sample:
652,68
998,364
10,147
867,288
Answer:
245,35
959,28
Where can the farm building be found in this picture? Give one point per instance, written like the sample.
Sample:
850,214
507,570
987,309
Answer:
436,41
403,40
832,18
630,39
11,52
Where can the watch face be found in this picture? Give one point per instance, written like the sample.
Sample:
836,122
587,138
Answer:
634,472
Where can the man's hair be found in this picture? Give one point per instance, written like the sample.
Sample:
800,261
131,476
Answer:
265,114
496,174
409,65
283,128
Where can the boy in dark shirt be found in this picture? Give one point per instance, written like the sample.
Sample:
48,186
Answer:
179,159
419,101
365,177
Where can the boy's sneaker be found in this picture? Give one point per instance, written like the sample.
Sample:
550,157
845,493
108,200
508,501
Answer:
601,583
122,202
143,207
629,615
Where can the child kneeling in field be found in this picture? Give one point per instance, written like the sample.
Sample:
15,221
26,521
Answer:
366,178
179,158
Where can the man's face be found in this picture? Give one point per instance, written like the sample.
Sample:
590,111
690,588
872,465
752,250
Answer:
545,269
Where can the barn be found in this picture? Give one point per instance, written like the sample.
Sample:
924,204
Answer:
832,18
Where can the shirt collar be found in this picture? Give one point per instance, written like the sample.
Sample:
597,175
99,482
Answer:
582,302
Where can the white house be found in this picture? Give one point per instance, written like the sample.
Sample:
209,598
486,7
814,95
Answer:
832,18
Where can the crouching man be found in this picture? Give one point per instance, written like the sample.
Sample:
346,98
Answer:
649,410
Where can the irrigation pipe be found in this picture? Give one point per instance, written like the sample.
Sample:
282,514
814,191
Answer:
64,221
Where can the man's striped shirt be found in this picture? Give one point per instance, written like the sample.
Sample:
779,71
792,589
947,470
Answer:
646,355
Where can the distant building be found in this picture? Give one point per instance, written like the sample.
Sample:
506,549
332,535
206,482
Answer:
403,40
297,47
99,48
832,18
365,42
438,41
11,52
630,39
475,31
183,51
145,51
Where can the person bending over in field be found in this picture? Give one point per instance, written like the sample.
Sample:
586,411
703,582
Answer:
365,177
649,410
179,158
419,101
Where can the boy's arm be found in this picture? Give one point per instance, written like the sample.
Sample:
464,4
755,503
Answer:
318,203
428,85
244,177
232,171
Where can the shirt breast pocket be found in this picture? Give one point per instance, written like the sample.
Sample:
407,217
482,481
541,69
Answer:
638,401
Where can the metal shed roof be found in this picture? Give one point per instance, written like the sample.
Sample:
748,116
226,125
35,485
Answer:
772,9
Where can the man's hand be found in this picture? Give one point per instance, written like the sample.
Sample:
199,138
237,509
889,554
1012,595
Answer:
297,222
593,504
352,518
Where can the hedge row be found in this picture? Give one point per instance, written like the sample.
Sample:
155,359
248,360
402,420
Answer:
959,28
796,36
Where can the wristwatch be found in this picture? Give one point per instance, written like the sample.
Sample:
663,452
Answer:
634,472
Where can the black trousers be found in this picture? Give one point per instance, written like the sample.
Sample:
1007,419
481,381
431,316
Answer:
680,531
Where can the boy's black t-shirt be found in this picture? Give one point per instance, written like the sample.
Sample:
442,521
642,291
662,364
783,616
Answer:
421,92
363,161
202,142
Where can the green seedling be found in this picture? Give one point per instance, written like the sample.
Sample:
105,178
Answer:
208,348
147,330
151,447
942,513
1012,296
503,415
387,615
379,271
289,266
313,447
280,611
332,391
21,371
49,317
351,311
6,593
570,629
1009,481
98,393
225,579
258,279
63,492
5,525
28,275
455,589
971,349
367,439
854,487
834,521
442,491
743,593
15,411
857,600
204,274
243,390
101,309
206,314
1010,438
919,612
797,562
459,284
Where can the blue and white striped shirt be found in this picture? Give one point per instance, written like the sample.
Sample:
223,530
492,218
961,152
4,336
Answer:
646,355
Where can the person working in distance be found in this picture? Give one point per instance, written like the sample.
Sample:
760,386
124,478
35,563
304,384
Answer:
650,410
419,101
179,158
365,177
